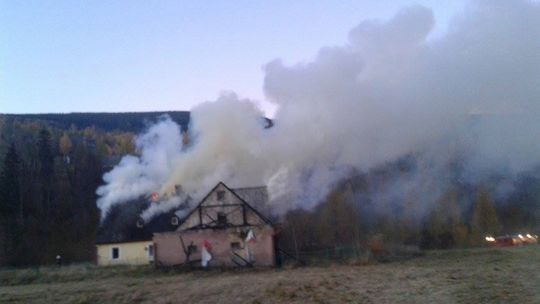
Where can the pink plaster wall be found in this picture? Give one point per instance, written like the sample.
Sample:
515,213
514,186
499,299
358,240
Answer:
169,247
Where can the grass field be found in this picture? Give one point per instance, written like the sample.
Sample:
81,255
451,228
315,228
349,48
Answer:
509,275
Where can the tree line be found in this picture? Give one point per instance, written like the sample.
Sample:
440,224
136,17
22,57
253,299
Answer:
127,122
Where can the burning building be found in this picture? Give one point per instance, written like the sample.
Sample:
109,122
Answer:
124,238
225,229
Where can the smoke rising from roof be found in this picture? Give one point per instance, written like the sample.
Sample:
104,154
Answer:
472,94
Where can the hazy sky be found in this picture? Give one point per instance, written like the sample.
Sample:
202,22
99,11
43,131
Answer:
103,56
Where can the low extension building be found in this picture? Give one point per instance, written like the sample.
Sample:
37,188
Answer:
124,239
226,229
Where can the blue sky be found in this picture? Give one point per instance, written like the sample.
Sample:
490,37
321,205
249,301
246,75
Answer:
104,56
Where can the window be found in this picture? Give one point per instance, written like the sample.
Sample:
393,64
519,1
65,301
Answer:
150,250
221,219
140,223
115,253
235,246
220,195
192,249
174,221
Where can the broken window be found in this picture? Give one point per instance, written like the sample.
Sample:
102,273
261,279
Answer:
115,253
192,249
220,195
235,246
221,218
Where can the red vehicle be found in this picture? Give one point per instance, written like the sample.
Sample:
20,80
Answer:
512,240
506,241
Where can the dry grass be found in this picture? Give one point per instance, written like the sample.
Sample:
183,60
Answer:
458,276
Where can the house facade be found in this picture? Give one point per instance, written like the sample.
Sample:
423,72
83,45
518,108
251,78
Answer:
125,253
224,230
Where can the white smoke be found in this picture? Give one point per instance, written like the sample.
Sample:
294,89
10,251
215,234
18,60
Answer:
136,176
388,92
163,206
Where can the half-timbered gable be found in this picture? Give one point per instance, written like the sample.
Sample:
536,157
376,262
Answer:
222,208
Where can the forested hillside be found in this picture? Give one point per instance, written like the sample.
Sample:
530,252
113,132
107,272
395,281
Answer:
50,167
354,217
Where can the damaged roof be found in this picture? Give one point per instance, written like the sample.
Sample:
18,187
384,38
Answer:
123,223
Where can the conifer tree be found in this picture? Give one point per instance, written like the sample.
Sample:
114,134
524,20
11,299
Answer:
10,205
484,220
11,211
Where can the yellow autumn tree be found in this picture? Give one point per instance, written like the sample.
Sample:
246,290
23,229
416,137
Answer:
65,144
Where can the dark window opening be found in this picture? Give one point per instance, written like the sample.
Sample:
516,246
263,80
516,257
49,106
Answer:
174,221
192,249
235,246
221,219
220,195
150,250
115,253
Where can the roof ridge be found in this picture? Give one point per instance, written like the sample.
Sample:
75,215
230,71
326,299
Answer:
252,187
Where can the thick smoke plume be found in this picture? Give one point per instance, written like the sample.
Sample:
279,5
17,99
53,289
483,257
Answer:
389,91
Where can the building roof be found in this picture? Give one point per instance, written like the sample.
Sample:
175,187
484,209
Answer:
123,223
256,197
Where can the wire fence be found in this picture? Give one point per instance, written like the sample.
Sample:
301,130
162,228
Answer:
347,254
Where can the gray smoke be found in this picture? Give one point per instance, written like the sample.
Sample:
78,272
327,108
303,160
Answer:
472,93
